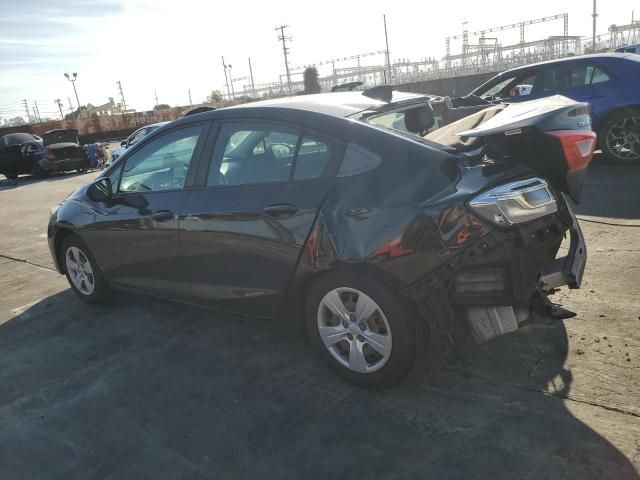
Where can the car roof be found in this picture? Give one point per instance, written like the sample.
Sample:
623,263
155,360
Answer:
336,104
576,58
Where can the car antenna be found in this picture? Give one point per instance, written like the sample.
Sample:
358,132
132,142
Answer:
383,93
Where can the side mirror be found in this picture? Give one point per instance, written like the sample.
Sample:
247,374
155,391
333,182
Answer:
101,190
123,143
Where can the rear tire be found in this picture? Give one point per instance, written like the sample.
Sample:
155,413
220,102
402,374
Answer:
364,331
82,271
620,137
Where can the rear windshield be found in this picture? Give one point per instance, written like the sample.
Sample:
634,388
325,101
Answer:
62,136
16,139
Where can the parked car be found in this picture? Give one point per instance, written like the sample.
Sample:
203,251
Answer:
375,238
134,138
19,153
629,49
63,153
609,82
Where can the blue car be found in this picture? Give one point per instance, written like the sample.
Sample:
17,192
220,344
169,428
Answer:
610,82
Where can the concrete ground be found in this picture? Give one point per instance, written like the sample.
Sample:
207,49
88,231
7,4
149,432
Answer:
152,389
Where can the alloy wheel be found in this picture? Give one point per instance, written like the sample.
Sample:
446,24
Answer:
623,138
354,329
80,271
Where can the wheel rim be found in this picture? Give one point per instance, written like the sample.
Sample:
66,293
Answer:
354,329
80,271
623,138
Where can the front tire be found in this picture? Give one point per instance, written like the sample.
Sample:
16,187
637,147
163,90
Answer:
363,329
82,271
620,137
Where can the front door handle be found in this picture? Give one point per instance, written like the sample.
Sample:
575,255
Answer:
280,209
162,216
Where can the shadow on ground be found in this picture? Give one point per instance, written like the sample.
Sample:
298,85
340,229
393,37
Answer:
609,190
6,184
149,389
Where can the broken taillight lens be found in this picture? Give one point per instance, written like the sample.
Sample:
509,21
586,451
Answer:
50,155
578,147
516,202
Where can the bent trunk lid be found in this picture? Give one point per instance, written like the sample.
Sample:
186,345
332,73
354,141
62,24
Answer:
539,133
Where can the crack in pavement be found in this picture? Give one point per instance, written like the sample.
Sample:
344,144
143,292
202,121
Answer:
535,390
28,262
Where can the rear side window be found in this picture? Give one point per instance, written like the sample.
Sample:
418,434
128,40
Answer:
570,75
358,160
255,152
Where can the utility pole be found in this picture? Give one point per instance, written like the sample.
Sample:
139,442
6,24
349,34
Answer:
59,103
190,103
35,115
226,79
37,111
595,14
124,104
282,37
155,93
233,92
75,117
72,78
386,40
26,109
253,87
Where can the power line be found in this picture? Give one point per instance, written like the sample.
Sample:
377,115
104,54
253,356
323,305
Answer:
282,37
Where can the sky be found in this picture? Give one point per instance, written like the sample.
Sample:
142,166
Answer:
168,47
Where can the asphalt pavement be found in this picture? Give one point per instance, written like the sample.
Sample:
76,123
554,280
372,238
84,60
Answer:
152,389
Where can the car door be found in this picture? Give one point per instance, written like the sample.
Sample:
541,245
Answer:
243,229
135,236
580,81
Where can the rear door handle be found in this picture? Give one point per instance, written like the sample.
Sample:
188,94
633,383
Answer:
162,216
280,209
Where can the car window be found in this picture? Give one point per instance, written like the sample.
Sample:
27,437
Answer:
263,153
163,163
596,75
137,137
571,75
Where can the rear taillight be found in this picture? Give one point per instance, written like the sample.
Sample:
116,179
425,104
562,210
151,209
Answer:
50,155
578,147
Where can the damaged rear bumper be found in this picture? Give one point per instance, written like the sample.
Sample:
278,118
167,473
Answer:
491,287
570,269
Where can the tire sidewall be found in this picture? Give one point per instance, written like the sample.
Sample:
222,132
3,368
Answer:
101,290
397,313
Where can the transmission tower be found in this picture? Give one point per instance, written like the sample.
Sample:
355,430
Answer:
283,38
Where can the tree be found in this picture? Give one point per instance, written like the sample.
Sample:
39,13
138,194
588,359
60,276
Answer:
311,84
215,97
15,122
161,106
76,114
